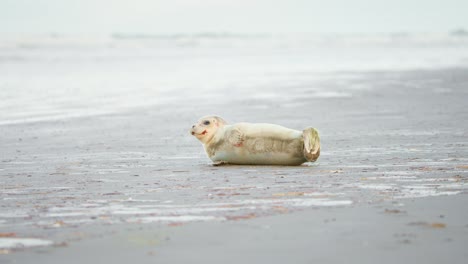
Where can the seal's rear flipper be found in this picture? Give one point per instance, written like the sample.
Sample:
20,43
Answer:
311,144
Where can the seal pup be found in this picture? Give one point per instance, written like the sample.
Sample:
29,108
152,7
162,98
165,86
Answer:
255,143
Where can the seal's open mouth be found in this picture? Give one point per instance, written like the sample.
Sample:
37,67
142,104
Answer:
202,133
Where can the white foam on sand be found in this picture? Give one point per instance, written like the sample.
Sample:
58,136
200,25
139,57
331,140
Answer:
176,211
321,202
17,214
377,186
177,219
294,202
420,193
145,213
17,243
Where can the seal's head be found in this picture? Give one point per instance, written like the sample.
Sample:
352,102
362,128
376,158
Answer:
206,127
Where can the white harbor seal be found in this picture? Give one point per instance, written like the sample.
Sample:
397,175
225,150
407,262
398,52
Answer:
255,144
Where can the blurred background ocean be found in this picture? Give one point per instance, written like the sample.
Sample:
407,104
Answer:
64,59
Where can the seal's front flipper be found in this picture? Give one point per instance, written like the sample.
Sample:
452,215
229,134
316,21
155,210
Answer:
219,163
236,137
311,144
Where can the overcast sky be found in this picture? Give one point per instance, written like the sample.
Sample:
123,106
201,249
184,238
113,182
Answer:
237,16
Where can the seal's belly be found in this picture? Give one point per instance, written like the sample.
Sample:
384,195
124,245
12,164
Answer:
260,150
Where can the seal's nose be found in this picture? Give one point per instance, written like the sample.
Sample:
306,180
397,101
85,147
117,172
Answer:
191,130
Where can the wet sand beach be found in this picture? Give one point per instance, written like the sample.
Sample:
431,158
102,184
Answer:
93,184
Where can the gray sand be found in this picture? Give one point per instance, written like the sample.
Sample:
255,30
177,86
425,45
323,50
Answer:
382,233
391,184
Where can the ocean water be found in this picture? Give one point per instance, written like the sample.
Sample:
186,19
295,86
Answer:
56,77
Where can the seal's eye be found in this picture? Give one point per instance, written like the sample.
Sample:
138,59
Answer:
206,123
